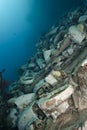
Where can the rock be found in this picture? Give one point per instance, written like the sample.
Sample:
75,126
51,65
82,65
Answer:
58,82
28,116
85,125
22,69
40,63
31,65
65,54
12,87
52,32
59,36
47,55
84,62
70,51
56,73
30,127
12,118
38,85
77,36
80,28
82,18
22,101
82,75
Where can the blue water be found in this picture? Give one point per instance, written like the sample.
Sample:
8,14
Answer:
21,24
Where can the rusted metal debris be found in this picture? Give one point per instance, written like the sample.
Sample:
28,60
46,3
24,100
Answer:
58,82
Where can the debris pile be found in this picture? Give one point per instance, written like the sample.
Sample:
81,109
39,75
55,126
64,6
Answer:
51,92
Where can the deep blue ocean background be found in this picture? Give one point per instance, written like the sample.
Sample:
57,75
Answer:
21,24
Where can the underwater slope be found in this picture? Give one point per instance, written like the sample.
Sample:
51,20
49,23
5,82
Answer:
51,92
21,23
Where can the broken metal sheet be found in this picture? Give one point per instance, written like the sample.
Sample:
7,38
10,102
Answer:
57,100
50,79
